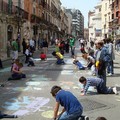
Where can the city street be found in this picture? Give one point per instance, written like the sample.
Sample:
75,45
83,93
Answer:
30,98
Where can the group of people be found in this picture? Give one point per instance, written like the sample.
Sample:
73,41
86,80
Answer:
102,59
61,47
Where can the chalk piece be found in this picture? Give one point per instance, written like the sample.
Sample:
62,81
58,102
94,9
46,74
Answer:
75,87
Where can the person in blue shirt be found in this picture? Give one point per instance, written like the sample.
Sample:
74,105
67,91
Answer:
72,109
98,83
79,65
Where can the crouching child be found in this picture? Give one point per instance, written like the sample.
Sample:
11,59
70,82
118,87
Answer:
31,61
59,56
79,65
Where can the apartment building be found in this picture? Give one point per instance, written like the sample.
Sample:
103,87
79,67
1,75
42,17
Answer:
86,34
77,22
106,18
114,24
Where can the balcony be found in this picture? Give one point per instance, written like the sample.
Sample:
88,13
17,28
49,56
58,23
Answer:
112,6
34,19
13,11
111,24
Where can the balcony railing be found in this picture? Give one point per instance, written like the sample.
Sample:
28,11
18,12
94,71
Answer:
13,10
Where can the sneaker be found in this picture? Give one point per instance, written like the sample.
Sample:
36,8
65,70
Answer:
83,118
86,118
110,74
115,90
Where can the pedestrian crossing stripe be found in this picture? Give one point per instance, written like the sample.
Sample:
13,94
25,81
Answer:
66,72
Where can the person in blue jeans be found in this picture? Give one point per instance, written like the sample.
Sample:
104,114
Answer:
72,108
98,83
79,65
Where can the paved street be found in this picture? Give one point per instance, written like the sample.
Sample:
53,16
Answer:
30,98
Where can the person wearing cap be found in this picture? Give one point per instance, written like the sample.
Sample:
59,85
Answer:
72,108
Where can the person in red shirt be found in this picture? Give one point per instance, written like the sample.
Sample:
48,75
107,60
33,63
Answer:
43,56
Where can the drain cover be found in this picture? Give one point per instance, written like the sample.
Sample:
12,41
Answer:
89,105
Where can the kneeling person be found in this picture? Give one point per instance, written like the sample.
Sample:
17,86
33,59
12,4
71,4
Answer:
59,56
16,72
98,83
72,109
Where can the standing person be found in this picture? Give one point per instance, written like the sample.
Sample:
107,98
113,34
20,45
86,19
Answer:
98,83
32,45
72,108
1,65
8,48
24,44
72,46
103,58
14,49
67,46
28,53
45,46
110,66
39,43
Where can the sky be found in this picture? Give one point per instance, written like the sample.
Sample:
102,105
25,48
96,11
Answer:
83,5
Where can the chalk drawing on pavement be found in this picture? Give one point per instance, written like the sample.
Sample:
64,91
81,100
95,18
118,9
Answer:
28,88
117,98
67,83
69,61
48,114
37,83
25,105
67,72
35,77
91,88
5,70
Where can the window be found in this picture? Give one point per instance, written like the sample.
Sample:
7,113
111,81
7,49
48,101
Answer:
105,19
109,18
117,2
99,9
112,16
34,10
105,6
117,13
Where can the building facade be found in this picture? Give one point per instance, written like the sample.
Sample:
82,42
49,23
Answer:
77,22
114,24
86,34
31,18
91,15
106,18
